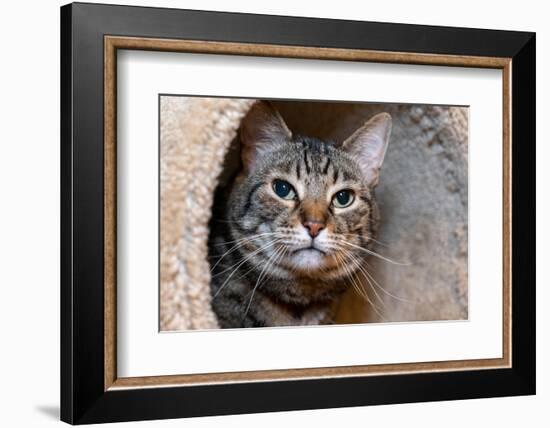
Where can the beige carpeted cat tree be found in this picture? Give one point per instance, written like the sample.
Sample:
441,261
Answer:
423,196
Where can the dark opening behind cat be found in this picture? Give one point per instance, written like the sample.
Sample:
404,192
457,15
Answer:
298,222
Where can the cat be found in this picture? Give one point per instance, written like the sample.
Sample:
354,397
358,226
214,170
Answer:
299,220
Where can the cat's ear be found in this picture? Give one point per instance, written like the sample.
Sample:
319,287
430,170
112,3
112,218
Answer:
368,145
262,129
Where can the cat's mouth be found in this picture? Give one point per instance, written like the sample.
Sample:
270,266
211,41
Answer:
311,249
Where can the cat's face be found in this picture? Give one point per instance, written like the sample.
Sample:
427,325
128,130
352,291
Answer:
302,206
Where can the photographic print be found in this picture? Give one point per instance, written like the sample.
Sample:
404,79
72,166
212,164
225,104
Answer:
322,201
277,213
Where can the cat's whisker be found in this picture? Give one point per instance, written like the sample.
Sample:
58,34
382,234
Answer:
243,242
384,244
246,273
247,257
231,250
365,295
221,244
219,220
357,287
401,299
270,262
373,305
341,262
373,253
365,274
240,264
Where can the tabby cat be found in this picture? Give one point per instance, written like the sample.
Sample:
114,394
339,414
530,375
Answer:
300,218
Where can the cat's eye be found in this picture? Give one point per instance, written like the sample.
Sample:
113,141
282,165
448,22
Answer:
283,189
343,198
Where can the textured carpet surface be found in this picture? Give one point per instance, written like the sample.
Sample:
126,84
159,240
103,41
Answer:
423,196
194,136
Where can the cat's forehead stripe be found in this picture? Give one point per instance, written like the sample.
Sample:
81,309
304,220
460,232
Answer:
325,169
308,170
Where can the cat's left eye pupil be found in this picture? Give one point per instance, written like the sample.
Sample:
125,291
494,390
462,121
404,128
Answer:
343,197
282,188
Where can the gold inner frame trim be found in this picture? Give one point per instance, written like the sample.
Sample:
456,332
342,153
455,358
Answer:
113,43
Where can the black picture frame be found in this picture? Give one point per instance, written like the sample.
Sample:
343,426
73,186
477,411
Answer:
83,397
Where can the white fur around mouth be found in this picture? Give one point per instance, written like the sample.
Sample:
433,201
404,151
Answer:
308,258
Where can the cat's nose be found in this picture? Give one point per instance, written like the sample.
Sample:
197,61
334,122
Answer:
313,227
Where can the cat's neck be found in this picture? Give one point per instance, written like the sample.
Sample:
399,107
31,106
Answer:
298,292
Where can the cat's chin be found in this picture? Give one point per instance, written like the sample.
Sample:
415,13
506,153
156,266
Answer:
308,260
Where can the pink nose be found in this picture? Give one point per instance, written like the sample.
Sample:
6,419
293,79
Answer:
314,227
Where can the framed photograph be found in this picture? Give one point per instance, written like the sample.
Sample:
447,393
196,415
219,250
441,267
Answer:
266,213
